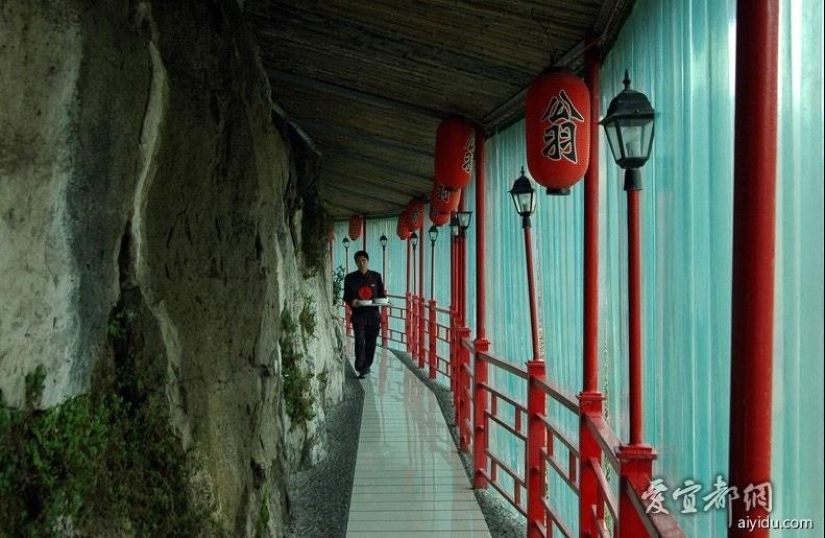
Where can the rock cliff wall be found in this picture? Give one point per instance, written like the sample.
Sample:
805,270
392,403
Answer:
151,220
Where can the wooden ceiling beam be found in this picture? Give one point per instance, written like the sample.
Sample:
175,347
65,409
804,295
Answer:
361,136
409,189
382,167
370,194
373,99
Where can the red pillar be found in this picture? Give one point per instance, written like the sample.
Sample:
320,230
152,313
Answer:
421,332
414,309
482,345
463,334
385,322
408,310
591,400
347,321
754,240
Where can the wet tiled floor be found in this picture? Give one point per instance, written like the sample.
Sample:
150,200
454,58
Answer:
409,480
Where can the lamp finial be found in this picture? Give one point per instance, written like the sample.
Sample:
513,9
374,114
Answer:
626,79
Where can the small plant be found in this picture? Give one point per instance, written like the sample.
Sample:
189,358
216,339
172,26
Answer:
263,516
337,285
34,386
307,318
288,325
315,228
297,387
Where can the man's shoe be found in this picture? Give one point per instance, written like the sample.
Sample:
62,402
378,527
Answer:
361,375
365,372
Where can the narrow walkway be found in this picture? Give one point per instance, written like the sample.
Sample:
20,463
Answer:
409,480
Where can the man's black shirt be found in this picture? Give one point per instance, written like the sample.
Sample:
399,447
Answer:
364,287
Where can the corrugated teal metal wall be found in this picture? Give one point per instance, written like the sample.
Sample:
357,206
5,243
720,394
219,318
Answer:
680,53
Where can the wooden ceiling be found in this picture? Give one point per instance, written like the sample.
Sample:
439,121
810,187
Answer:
367,82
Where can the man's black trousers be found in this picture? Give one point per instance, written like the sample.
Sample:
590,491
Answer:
365,339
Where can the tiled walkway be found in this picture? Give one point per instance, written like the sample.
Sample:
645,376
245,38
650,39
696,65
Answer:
409,480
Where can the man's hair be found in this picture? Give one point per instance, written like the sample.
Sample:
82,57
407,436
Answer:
361,254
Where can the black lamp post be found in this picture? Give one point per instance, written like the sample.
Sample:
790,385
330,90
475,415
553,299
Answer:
414,243
455,229
463,221
383,240
459,223
524,198
433,236
629,129
345,241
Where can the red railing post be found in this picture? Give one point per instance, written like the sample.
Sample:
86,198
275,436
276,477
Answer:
433,334
408,321
415,327
536,441
480,416
385,322
454,362
633,460
463,389
590,405
422,334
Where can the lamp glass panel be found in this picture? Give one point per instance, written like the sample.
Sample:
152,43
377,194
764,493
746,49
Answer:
637,134
464,218
647,138
614,140
525,203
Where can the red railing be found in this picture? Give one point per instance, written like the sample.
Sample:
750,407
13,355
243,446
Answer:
527,424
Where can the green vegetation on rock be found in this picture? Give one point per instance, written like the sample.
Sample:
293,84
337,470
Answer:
104,463
297,383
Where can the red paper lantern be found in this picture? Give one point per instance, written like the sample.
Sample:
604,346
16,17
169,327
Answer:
415,214
439,218
444,200
557,115
356,224
401,228
455,145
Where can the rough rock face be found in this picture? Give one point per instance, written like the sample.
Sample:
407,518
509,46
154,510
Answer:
138,160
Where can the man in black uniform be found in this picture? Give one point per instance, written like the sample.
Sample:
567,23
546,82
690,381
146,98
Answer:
360,287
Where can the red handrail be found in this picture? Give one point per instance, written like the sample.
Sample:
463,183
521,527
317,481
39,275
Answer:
489,464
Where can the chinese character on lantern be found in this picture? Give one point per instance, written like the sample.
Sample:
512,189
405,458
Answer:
560,134
469,150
